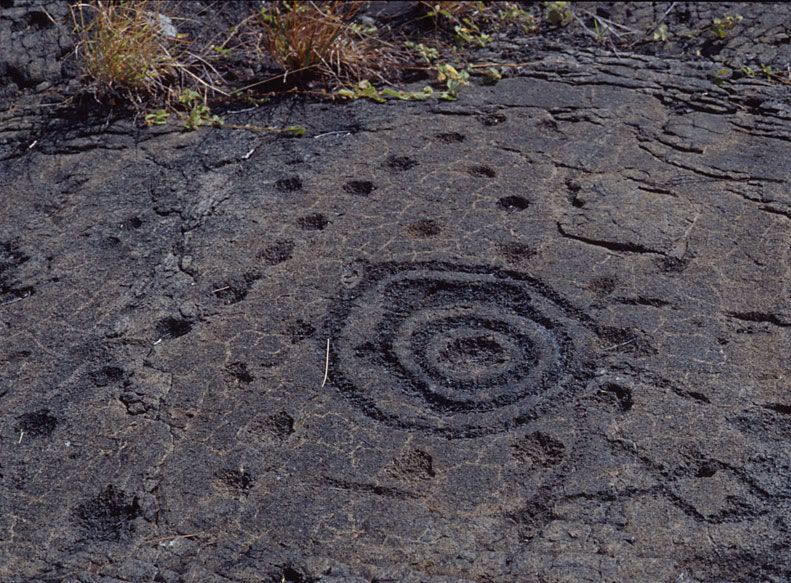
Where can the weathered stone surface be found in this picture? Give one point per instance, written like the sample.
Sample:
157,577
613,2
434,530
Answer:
558,316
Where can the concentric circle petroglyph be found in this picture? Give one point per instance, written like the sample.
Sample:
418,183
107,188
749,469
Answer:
455,350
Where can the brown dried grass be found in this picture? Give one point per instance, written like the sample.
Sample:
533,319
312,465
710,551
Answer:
124,51
311,40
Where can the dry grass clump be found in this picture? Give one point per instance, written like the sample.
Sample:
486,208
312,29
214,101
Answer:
131,49
311,40
133,53
122,47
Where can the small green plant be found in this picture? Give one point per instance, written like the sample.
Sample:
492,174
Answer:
512,13
362,90
558,13
222,52
157,118
720,27
197,112
295,131
469,33
362,29
427,54
491,75
453,80
766,70
463,17
421,95
721,76
601,31
453,11
365,90
661,33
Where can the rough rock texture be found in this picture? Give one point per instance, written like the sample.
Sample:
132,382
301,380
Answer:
558,319
35,39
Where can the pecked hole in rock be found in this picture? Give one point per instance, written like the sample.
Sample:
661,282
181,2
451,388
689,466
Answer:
300,330
451,138
171,327
314,222
292,575
290,184
281,424
11,258
134,222
514,252
624,340
423,229
279,252
238,481
513,203
706,471
492,119
574,189
278,426
621,394
239,372
534,516
603,285
540,449
39,423
107,375
482,172
781,408
110,515
673,264
235,289
359,187
39,21
401,163
416,464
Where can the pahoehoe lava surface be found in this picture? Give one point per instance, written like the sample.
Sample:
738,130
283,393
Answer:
557,309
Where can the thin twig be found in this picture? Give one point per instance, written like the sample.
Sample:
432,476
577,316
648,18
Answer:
235,111
173,537
335,133
619,345
656,25
326,365
48,15
257,83
615,50
584,26
204,83
611,23
207,63
254,128
236,29
15,300
658,22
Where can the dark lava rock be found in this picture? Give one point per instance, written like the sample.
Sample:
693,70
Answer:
543,337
